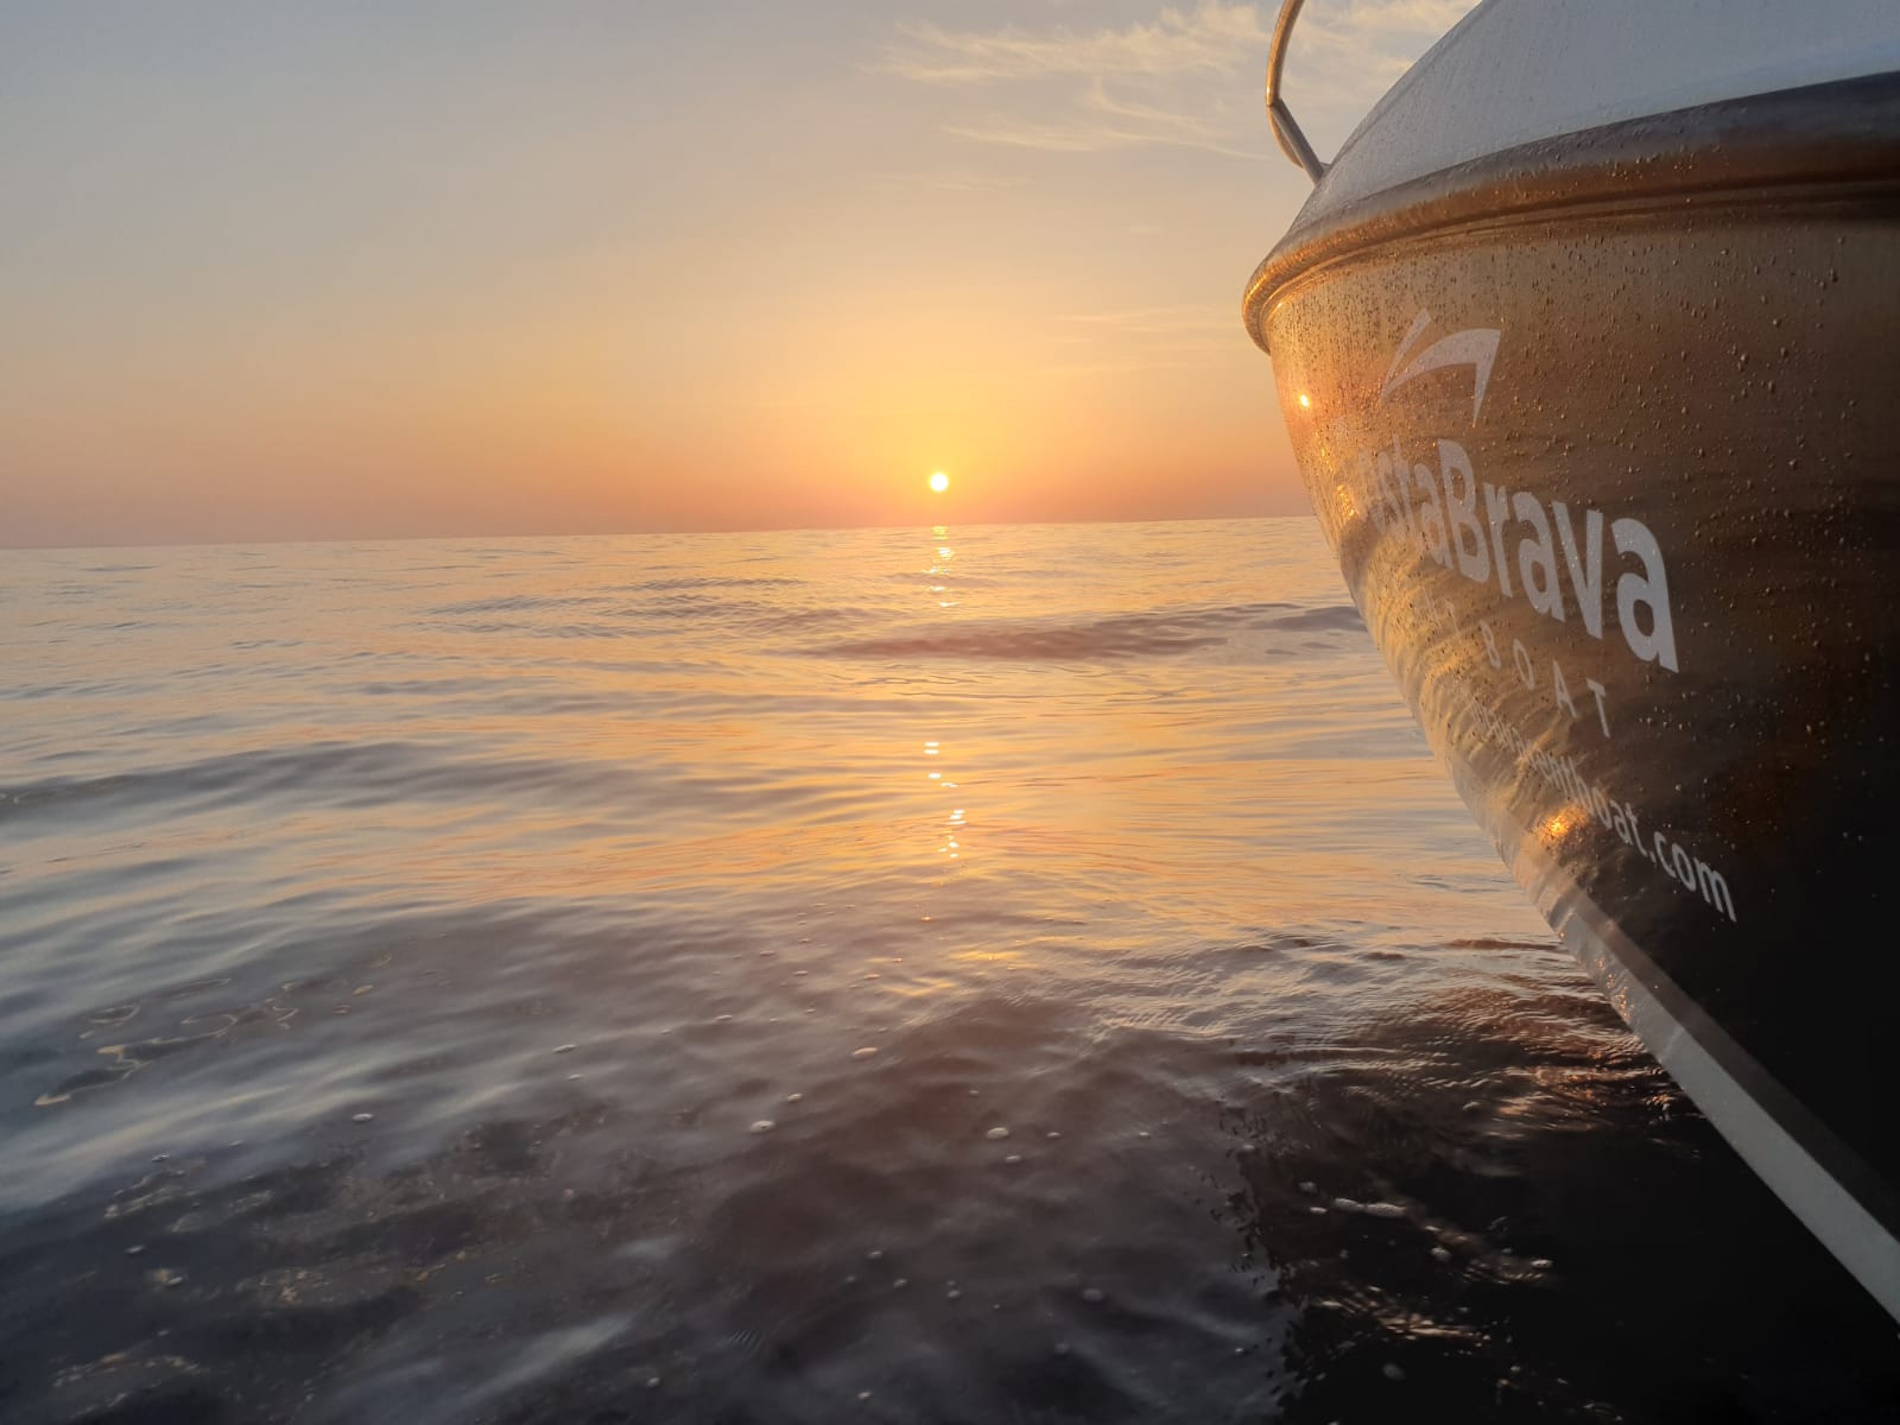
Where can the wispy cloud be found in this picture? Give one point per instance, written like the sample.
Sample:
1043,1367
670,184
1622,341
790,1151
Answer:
1173,80
1176,337
1100,101
1085,137
1177,42
1160,321
958,180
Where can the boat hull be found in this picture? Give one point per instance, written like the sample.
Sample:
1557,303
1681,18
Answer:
1604,433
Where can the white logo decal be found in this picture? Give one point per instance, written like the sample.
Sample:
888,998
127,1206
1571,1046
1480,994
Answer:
1476,348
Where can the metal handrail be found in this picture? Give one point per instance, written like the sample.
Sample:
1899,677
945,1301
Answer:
1285,131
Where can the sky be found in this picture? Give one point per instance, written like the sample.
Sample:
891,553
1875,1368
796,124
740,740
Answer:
362,270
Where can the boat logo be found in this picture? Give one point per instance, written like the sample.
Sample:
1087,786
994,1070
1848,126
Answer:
1476,348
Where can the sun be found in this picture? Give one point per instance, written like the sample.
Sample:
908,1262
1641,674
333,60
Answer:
940,482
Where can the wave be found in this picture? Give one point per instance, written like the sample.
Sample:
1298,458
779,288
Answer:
610,597
711,581
1117,636
1334,618
345,773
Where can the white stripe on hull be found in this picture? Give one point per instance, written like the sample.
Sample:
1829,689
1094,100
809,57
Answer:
1865,1247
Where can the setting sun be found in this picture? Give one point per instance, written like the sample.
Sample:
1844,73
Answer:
940,482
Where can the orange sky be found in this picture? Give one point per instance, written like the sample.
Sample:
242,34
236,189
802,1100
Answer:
455,269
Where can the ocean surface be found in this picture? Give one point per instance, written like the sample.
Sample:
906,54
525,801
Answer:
962,975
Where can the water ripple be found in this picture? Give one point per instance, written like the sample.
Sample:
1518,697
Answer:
938,976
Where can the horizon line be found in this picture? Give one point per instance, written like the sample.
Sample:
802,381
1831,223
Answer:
274,541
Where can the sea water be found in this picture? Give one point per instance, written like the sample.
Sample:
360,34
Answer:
970,974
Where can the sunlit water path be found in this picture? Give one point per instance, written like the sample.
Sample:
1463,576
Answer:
965,975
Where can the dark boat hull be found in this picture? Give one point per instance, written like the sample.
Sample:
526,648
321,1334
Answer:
1604,432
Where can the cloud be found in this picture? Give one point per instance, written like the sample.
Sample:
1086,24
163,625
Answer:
1100,100
959,180
1179,337
1085,137
1160,321
1176,42
1187,78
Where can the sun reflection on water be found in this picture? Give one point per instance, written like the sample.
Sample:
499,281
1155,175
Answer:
950,848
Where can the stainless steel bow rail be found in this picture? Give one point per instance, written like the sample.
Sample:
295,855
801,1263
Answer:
1285,131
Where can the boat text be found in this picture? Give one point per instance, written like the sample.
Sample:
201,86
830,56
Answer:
1451,517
